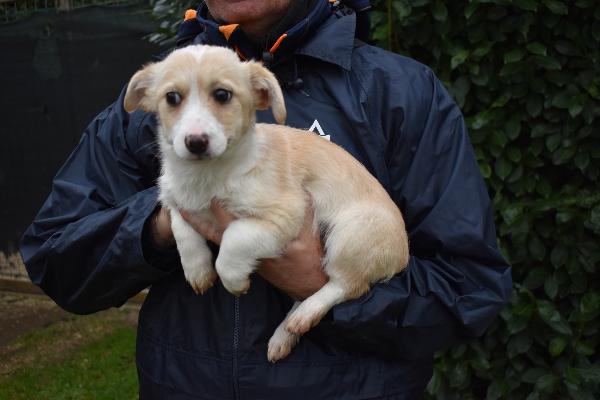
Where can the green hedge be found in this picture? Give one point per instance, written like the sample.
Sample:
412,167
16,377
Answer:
527,76
169,14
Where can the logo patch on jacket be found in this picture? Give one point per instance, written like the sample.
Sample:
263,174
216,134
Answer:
316,128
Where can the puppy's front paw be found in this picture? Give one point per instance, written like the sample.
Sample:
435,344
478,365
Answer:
200,275
236,287
235,279
202,283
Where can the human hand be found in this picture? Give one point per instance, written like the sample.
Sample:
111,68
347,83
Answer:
161,234
298,271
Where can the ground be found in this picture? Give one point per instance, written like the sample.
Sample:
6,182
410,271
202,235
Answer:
47,353
11,266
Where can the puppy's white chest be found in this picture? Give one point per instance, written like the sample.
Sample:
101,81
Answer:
192,186
196,192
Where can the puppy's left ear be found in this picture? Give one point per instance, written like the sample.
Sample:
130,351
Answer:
267,92
136,94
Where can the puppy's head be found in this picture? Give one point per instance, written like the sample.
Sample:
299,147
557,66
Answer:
205,99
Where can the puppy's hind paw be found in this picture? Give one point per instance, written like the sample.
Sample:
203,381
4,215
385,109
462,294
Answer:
307,315
281,345
277,352
298,325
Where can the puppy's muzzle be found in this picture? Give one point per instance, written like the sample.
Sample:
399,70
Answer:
197,144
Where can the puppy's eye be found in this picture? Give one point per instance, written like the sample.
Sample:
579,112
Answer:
173,98
222,96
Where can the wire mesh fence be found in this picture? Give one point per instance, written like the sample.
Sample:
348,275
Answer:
15,10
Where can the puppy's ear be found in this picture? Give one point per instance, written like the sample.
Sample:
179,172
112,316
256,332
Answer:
267,92
135,97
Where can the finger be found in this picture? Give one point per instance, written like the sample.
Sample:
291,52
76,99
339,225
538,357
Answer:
161,233
164,215
212,233
204,227
191,219
224,217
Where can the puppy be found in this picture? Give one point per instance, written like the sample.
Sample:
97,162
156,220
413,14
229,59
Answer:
211,147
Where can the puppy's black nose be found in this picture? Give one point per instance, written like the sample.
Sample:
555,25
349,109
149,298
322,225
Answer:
196,144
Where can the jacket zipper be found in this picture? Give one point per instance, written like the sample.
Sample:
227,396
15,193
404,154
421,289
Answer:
236,334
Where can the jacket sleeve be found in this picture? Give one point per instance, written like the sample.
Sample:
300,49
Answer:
85,247
457,281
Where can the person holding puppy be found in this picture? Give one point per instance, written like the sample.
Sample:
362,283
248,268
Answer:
102,236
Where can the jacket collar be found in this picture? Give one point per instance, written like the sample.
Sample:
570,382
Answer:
333,42
326,33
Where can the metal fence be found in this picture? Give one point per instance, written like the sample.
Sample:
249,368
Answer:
58,70
14,10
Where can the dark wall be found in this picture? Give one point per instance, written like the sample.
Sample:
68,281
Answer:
57,72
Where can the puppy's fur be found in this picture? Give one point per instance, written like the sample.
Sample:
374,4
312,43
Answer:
262,173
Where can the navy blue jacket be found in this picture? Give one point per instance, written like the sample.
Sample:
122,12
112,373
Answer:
86,247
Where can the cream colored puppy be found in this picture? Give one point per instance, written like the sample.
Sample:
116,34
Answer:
211,147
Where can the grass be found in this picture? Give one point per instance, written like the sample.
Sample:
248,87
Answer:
101,369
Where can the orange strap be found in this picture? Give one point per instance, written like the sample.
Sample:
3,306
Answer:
227,30
275,46
189,14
